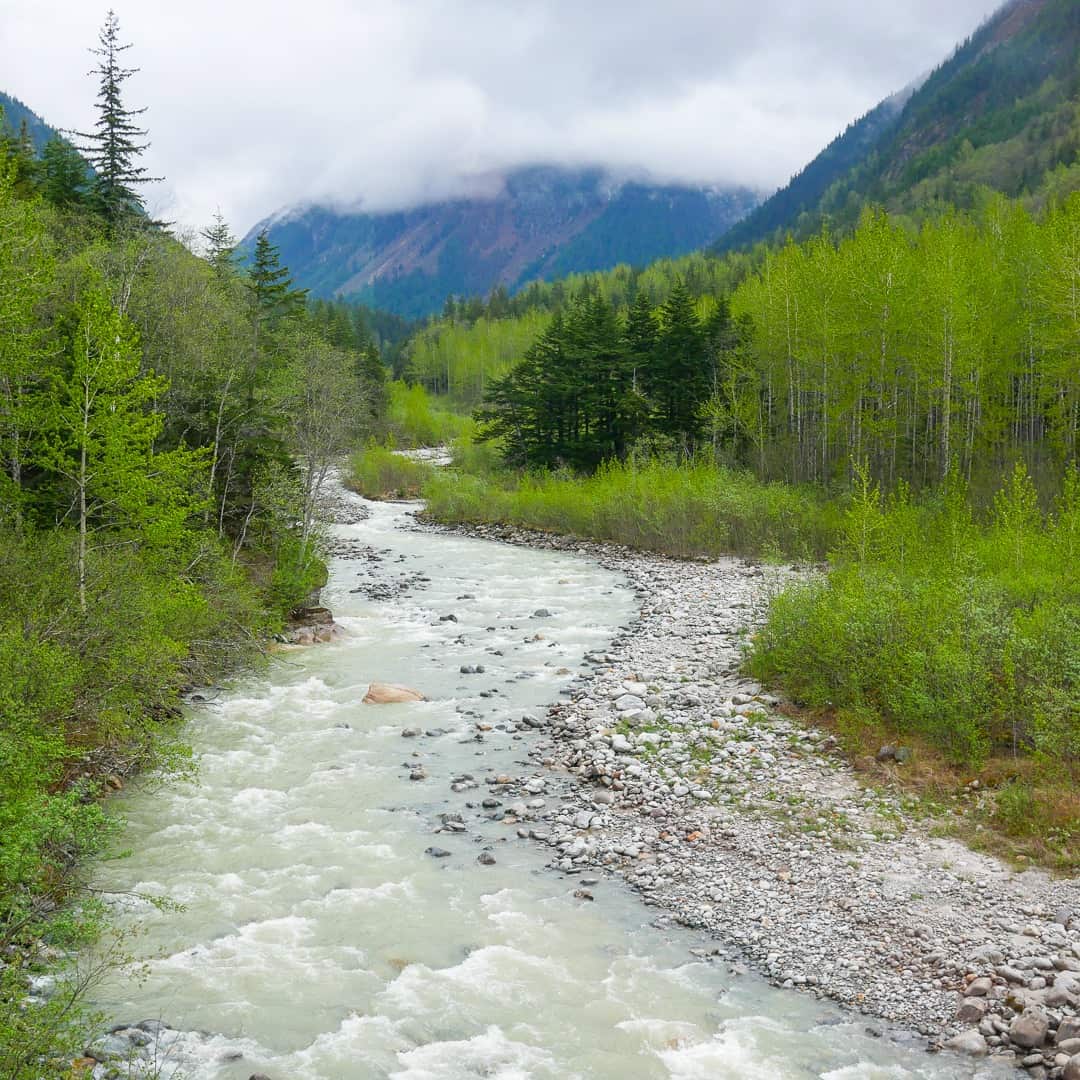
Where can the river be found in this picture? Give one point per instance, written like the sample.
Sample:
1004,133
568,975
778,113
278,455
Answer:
319,940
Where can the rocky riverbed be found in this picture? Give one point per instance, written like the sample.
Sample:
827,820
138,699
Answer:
680,776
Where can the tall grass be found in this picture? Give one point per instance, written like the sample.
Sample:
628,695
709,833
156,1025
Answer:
685,510
377,472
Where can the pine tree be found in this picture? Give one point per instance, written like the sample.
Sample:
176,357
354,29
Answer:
272,294
17,154
220,246
113,147
680,378
64,176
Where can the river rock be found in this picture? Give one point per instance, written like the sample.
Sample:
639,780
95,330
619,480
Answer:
1072,1069
390,694
312,616
108,1048
1069,1028
1029,1029
970,1043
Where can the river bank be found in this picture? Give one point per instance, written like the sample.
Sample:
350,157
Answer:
739,821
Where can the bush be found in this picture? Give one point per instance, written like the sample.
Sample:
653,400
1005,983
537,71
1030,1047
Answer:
963,633
690,510
416,419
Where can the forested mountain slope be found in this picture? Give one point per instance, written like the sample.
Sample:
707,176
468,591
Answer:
545,222
1003,112
16,113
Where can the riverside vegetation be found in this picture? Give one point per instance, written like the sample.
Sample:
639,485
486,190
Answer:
903,400
166,422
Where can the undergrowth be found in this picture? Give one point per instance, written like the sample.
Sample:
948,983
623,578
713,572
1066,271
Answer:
691,511
959,634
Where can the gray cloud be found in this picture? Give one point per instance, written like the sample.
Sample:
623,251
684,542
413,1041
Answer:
386,103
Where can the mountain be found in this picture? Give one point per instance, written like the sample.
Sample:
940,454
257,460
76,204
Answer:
544,222
15,112
1003,112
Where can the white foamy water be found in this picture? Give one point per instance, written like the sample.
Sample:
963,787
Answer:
318,941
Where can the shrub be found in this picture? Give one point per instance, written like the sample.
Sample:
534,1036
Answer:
377,472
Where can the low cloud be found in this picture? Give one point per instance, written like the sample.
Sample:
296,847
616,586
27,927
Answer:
387,103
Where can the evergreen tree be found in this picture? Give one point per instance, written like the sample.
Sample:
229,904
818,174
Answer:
17,155
220,246
642,335
64,176
679,380
113,147
272,294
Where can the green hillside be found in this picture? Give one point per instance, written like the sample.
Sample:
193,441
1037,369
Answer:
1003,112
16,114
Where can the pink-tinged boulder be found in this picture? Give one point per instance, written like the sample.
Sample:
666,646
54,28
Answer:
380,693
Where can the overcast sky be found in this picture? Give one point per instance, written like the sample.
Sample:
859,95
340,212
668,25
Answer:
253,106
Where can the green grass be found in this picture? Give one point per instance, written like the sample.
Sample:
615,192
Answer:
376,472
696,510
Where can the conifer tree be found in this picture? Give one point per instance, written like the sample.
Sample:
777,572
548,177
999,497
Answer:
680,378
64,176
272,293
17,154
113,147
220,246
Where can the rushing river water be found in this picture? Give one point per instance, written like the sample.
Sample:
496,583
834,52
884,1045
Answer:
319,941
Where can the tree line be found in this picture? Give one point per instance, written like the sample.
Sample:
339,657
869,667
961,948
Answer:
914,349
167,422
595,382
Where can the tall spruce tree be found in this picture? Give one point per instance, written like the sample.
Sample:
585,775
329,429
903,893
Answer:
220,246
272,294
113,148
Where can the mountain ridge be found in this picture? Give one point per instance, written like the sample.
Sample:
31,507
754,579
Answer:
1002,111
545,221
16,111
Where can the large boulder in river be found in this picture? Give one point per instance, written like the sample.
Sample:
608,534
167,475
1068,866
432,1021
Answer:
381,693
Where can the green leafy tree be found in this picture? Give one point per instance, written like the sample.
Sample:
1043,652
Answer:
98,440
26,273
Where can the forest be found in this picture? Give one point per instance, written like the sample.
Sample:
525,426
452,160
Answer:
166,424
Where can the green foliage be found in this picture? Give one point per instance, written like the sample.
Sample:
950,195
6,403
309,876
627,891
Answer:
377,472
415,418
691,510
959,631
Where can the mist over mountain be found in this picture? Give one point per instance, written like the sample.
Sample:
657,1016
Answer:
537,222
